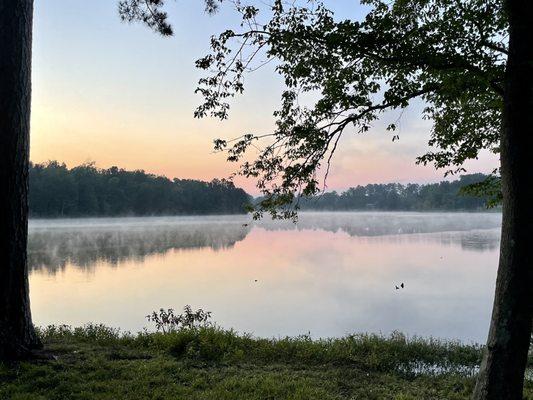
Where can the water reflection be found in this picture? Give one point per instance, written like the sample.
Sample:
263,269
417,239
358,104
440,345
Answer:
330,274
54,244
389,223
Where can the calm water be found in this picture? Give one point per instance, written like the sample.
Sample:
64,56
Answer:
331,274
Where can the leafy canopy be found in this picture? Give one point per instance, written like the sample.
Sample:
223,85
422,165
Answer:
451,54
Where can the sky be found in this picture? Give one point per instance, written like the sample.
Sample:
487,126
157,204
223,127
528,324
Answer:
119,94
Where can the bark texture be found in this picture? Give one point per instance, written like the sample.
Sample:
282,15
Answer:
502,370
17,336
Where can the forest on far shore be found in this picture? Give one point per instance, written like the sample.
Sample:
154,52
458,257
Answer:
441,196
85,190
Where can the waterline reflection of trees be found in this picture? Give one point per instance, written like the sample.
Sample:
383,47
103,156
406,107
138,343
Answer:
479,240
53,249
388,223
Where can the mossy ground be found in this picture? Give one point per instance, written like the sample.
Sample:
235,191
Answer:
210,363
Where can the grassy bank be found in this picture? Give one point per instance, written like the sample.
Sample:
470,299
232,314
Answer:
96,362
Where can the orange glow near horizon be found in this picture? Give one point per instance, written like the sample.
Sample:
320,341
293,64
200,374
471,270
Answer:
181,147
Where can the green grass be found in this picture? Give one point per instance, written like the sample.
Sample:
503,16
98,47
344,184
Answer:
96,362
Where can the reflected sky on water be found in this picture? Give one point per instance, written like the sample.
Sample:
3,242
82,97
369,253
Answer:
330,274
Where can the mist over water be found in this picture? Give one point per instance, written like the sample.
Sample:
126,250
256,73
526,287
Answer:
330,274
83,243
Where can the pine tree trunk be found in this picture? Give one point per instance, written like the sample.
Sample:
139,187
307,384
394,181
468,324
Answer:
503,367
17,336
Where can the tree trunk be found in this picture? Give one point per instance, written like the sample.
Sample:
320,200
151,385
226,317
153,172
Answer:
17,336
502,371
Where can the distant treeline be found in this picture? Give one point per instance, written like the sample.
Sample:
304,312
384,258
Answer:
394,196
59,191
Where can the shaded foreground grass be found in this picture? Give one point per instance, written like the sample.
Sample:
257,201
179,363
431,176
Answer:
96,362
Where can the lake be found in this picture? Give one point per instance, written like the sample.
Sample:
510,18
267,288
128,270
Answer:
329,275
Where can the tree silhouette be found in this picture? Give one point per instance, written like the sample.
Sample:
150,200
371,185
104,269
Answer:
469,61
17,335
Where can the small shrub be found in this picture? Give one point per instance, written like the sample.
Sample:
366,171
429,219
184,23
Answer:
166,321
